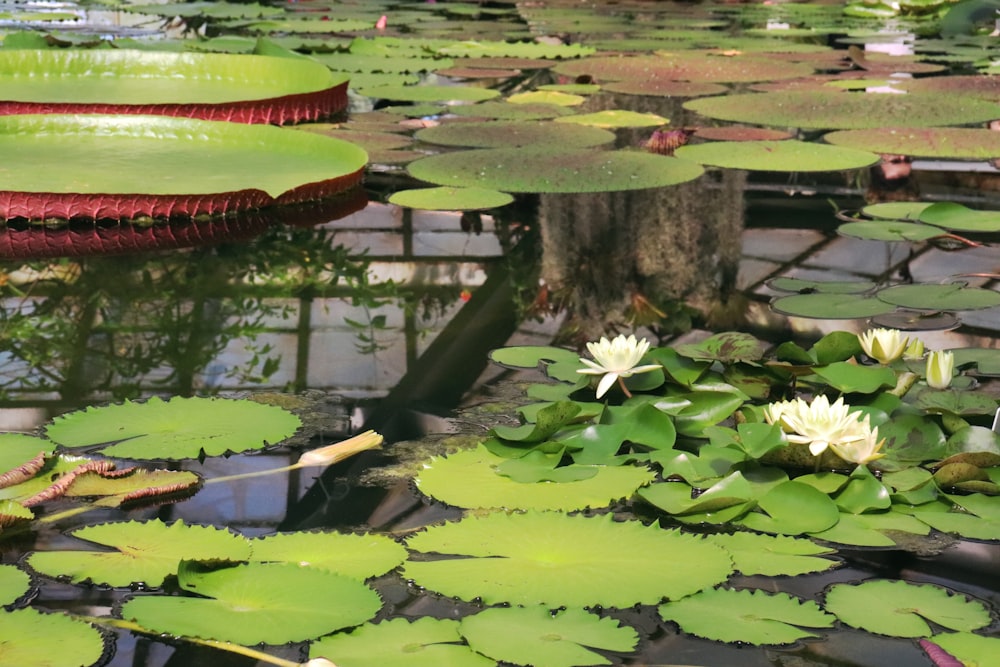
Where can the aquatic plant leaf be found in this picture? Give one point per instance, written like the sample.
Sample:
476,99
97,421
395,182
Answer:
645,425
50,481
831,306
13,512
863,493
134,485
786,155
31,638
548,420
677,499
966,525
956,402
773,556
513,134
728,347
558,559
547,97
698,66
756,440
786,284
711,462
971,649
959,218
530,356
16,450
450,199
14,583
428,93
902,609
535,636
946,143
705,408
145,552
615,118
506,111
838,110
931,297
896,210
664,88
911,438
253,603
467,479
847,377
889,230
545,169
792,508
749,616
500,49
355,556
400,642
681,369
174,429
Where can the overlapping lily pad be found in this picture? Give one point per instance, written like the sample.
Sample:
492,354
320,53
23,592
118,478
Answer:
787,155
545,169
949,143
400,643
688,66
845,110
511,134
356,556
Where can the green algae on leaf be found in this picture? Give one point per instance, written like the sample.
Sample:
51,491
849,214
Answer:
144,552
450,199
536,636
254,603
558,559
845,110
787,155
31,638
355,556
400,642
747,616
468,479
902,609
175,429
545,169
513,134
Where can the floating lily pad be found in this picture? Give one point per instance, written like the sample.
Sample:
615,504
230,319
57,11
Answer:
468,479
948,143
450,199
429,93
145,552
982,87
747,616
136,485
356,556
740,133
159,166
845,110
953,296
31,638
400,643
959,218
769,555
801,286
969,648
831,306
902,609
558,559
664,88
889,230
908,320
243,88
512,134
615,118
546,169
788,155
547,97
17,449
14,583
500,49
255,603
507,111
897,210
691,66
175,429
536,636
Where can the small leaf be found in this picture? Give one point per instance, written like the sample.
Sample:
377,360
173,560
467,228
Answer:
793,508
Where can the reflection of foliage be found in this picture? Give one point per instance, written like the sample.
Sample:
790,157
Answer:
126,322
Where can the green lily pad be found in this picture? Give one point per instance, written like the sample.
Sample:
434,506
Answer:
468,479
954,296
536,636
958,218
615,118
14,583
664,88
450,199
747,616
31,638
889,230
145,552
971,649
946,143
255,603
902,609
547,97
774,556
546,169
845,110
558,559
896,210
793,508
801,286
690,66
507,111
175,429
512,134
400,643
16,450
830,306
429,93
728,347
484,49
787,155
135,485
356,556
848,377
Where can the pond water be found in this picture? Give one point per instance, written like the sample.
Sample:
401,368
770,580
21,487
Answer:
383,318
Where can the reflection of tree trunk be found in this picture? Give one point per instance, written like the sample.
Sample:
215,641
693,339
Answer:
605,253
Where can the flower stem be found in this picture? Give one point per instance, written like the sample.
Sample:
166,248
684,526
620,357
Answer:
621,383
903,384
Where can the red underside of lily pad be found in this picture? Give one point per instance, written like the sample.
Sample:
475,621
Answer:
298,108
106,235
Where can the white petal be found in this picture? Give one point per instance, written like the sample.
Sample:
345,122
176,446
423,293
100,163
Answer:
605,383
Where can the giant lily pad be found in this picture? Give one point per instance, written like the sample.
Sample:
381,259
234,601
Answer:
14,583
31,638
557,559
949,142
160,166
785,155
546,169
357,556
845,110
511,134
400,643
255,603
242,88
175,429
694,66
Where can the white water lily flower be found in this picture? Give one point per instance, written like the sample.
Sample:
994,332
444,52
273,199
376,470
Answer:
940,367
884,345
617,358
862,451
818,424
915,350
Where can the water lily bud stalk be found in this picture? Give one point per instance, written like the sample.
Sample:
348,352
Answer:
903,383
